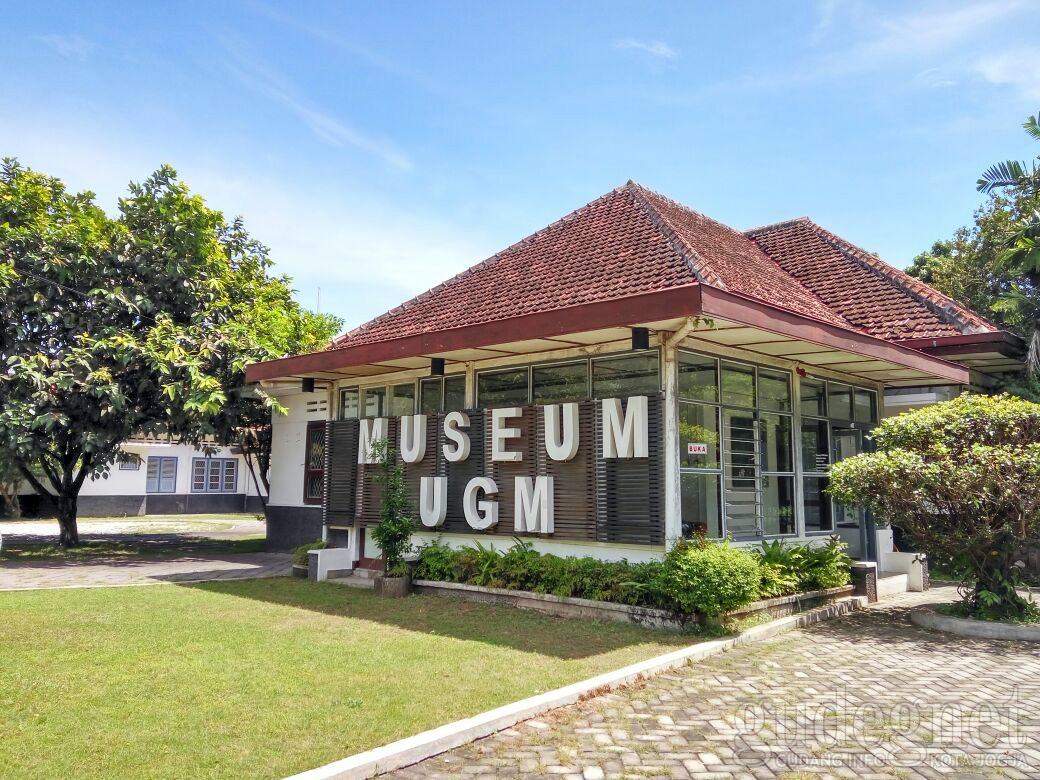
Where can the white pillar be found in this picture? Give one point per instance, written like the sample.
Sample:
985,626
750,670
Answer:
672,491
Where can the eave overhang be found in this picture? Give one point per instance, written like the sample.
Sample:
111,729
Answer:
676,303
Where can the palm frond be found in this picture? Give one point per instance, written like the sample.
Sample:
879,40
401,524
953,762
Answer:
1032,126
1006,174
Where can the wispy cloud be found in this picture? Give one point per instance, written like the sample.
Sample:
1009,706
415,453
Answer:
1019,68
655,48
266,81
71,47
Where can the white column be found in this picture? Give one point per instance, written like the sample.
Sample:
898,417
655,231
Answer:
672,492
471,386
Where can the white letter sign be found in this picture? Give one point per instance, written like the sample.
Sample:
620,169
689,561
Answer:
413,438
561,444
500,433
433,501
372,430
627,439
457,449
481,515
533,505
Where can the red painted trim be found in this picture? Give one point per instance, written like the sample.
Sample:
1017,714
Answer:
1000,341
674,302
740,308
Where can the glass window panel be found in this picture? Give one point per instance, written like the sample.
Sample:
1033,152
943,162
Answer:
865,406
698,436
402,399
349,403
815,450
430,392
566,382
130,465
738,385
167,475
502,388
375,401
230,475
214,476
698,378
626,376
777,505
198,475
701,505
814,397
775,430
454,393
316,448
839,401
845,442
817,505
774,390
151,483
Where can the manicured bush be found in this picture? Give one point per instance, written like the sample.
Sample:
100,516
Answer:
962,479
793,568
300,556
709,578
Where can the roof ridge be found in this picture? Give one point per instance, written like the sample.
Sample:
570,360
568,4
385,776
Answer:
775,225
690,256
923,293
489,261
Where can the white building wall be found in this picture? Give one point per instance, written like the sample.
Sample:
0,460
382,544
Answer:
289,443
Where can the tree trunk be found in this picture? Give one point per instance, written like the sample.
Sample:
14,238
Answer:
69,530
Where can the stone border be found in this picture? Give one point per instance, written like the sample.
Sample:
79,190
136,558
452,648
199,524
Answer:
926,617
624,613
411,750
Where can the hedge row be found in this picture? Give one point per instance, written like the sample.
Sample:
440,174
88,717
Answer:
695,577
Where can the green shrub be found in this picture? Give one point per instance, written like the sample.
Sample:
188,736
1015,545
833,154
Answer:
300,555
436,562
828,566
791,568
396,521
709,578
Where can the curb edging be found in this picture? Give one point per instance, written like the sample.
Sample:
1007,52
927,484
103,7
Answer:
411,750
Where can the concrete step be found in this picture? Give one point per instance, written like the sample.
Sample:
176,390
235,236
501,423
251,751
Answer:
354,581
366,574
892,584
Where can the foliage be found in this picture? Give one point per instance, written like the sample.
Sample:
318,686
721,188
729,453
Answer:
522,568
300,555
790,568
10,480
140,324
962,609
397,523
709,578
962,478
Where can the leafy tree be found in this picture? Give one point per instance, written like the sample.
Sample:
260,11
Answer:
140,324
962,478
397,522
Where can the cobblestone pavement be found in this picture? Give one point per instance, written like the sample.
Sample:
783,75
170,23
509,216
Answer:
868,695
61,573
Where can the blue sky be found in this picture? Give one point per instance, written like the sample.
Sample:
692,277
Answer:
379,148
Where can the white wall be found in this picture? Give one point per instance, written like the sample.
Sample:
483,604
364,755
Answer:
289,442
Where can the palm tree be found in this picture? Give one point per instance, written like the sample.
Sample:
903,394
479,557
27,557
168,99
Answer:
1021,256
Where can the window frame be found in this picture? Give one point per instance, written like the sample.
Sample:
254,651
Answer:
159,461
308,473
221,467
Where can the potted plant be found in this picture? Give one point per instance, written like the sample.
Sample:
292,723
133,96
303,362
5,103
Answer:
396,524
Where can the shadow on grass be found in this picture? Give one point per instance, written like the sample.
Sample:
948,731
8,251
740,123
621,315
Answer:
531,632
128,549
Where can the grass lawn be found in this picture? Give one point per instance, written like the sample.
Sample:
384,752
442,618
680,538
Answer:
264,678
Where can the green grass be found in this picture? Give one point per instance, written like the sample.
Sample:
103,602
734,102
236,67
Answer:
18,550
265,678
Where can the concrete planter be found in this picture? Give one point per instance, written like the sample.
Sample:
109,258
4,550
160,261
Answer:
927,617
393,587
300,571
624,613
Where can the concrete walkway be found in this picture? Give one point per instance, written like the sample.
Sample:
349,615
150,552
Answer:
108,572
867,696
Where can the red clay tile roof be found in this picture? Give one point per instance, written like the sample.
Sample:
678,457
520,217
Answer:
869,293
633,241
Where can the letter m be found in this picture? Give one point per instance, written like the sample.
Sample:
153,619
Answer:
533,505
625,435
372,430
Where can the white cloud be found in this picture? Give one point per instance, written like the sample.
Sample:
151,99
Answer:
656,48
274,86
1019,69
71,47
934,78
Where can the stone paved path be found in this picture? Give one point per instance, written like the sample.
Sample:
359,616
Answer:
867,696
28,575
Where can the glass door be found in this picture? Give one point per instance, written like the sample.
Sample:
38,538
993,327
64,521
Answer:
741,473
849,523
